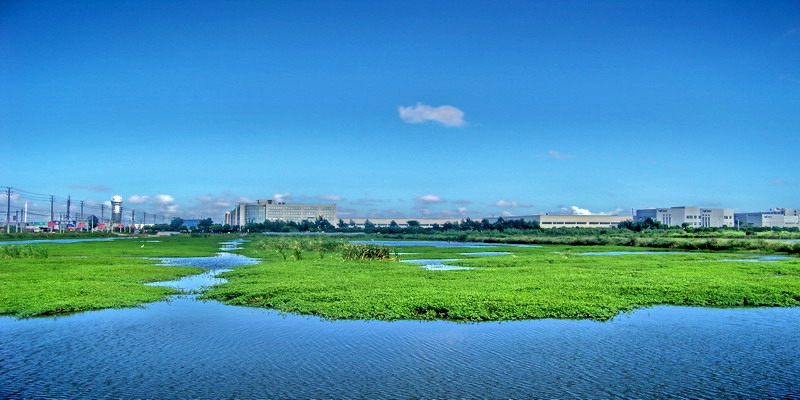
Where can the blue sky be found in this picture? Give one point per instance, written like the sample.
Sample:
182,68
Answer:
403,109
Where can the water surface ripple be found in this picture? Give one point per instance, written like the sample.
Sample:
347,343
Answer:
184,348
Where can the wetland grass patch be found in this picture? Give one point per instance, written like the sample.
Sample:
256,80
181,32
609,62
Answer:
530,283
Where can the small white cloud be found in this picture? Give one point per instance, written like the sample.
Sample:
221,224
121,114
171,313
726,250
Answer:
556,155
137,199
164,199
445,115
430,199
503,203
331,197
575,210
282,197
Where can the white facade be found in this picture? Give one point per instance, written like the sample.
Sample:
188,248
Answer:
547,221
269,210
777,218
696,217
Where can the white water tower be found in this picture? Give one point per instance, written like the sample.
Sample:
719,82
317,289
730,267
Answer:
116,209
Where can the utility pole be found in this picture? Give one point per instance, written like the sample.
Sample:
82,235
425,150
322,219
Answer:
144,218
8,209
16,219
82,202
69,201
102,212
133,216
52,200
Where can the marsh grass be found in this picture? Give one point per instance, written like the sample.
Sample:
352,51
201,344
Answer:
22,251
94,275
545,282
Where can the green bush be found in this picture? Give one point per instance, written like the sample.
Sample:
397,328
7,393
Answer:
365,252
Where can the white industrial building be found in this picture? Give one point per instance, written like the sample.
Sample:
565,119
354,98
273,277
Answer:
270,210
775,218
570,221
697,217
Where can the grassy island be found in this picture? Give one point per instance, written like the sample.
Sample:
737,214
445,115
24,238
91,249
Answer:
553,281
51,278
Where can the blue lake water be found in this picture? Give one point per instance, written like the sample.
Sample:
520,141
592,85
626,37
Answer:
435,243
437,265
740,257
61,240
187,348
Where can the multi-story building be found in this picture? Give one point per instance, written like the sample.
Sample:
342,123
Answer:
697,217
775,218
571,221
270,210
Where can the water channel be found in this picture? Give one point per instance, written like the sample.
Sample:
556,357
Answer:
188,348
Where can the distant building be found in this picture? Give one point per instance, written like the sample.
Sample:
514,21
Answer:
697,217
270,210
401,222
191,223
776,218
547,221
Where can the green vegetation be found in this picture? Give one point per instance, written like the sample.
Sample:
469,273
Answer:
17,251
92,275
533,282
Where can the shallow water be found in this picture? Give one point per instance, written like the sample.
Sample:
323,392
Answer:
487,253
62,240
747,257
435,243
437,265
187,348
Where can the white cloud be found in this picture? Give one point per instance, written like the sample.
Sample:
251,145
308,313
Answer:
445,115
430,199
555,154
331,197
506,214
137,199
575,210
164,199
503,203
282,197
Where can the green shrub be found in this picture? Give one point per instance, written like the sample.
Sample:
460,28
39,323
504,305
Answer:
365,252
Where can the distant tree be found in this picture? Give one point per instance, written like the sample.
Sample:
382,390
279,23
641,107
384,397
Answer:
205,223
369,227
176,224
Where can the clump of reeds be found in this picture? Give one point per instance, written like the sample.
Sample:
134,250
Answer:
365,252
20,251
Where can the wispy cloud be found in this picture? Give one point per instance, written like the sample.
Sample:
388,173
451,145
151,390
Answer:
98,188
782,182
575,210
282,197
331,197
555,154
445,115
161,203
363,201
462,202
503,203
430,199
